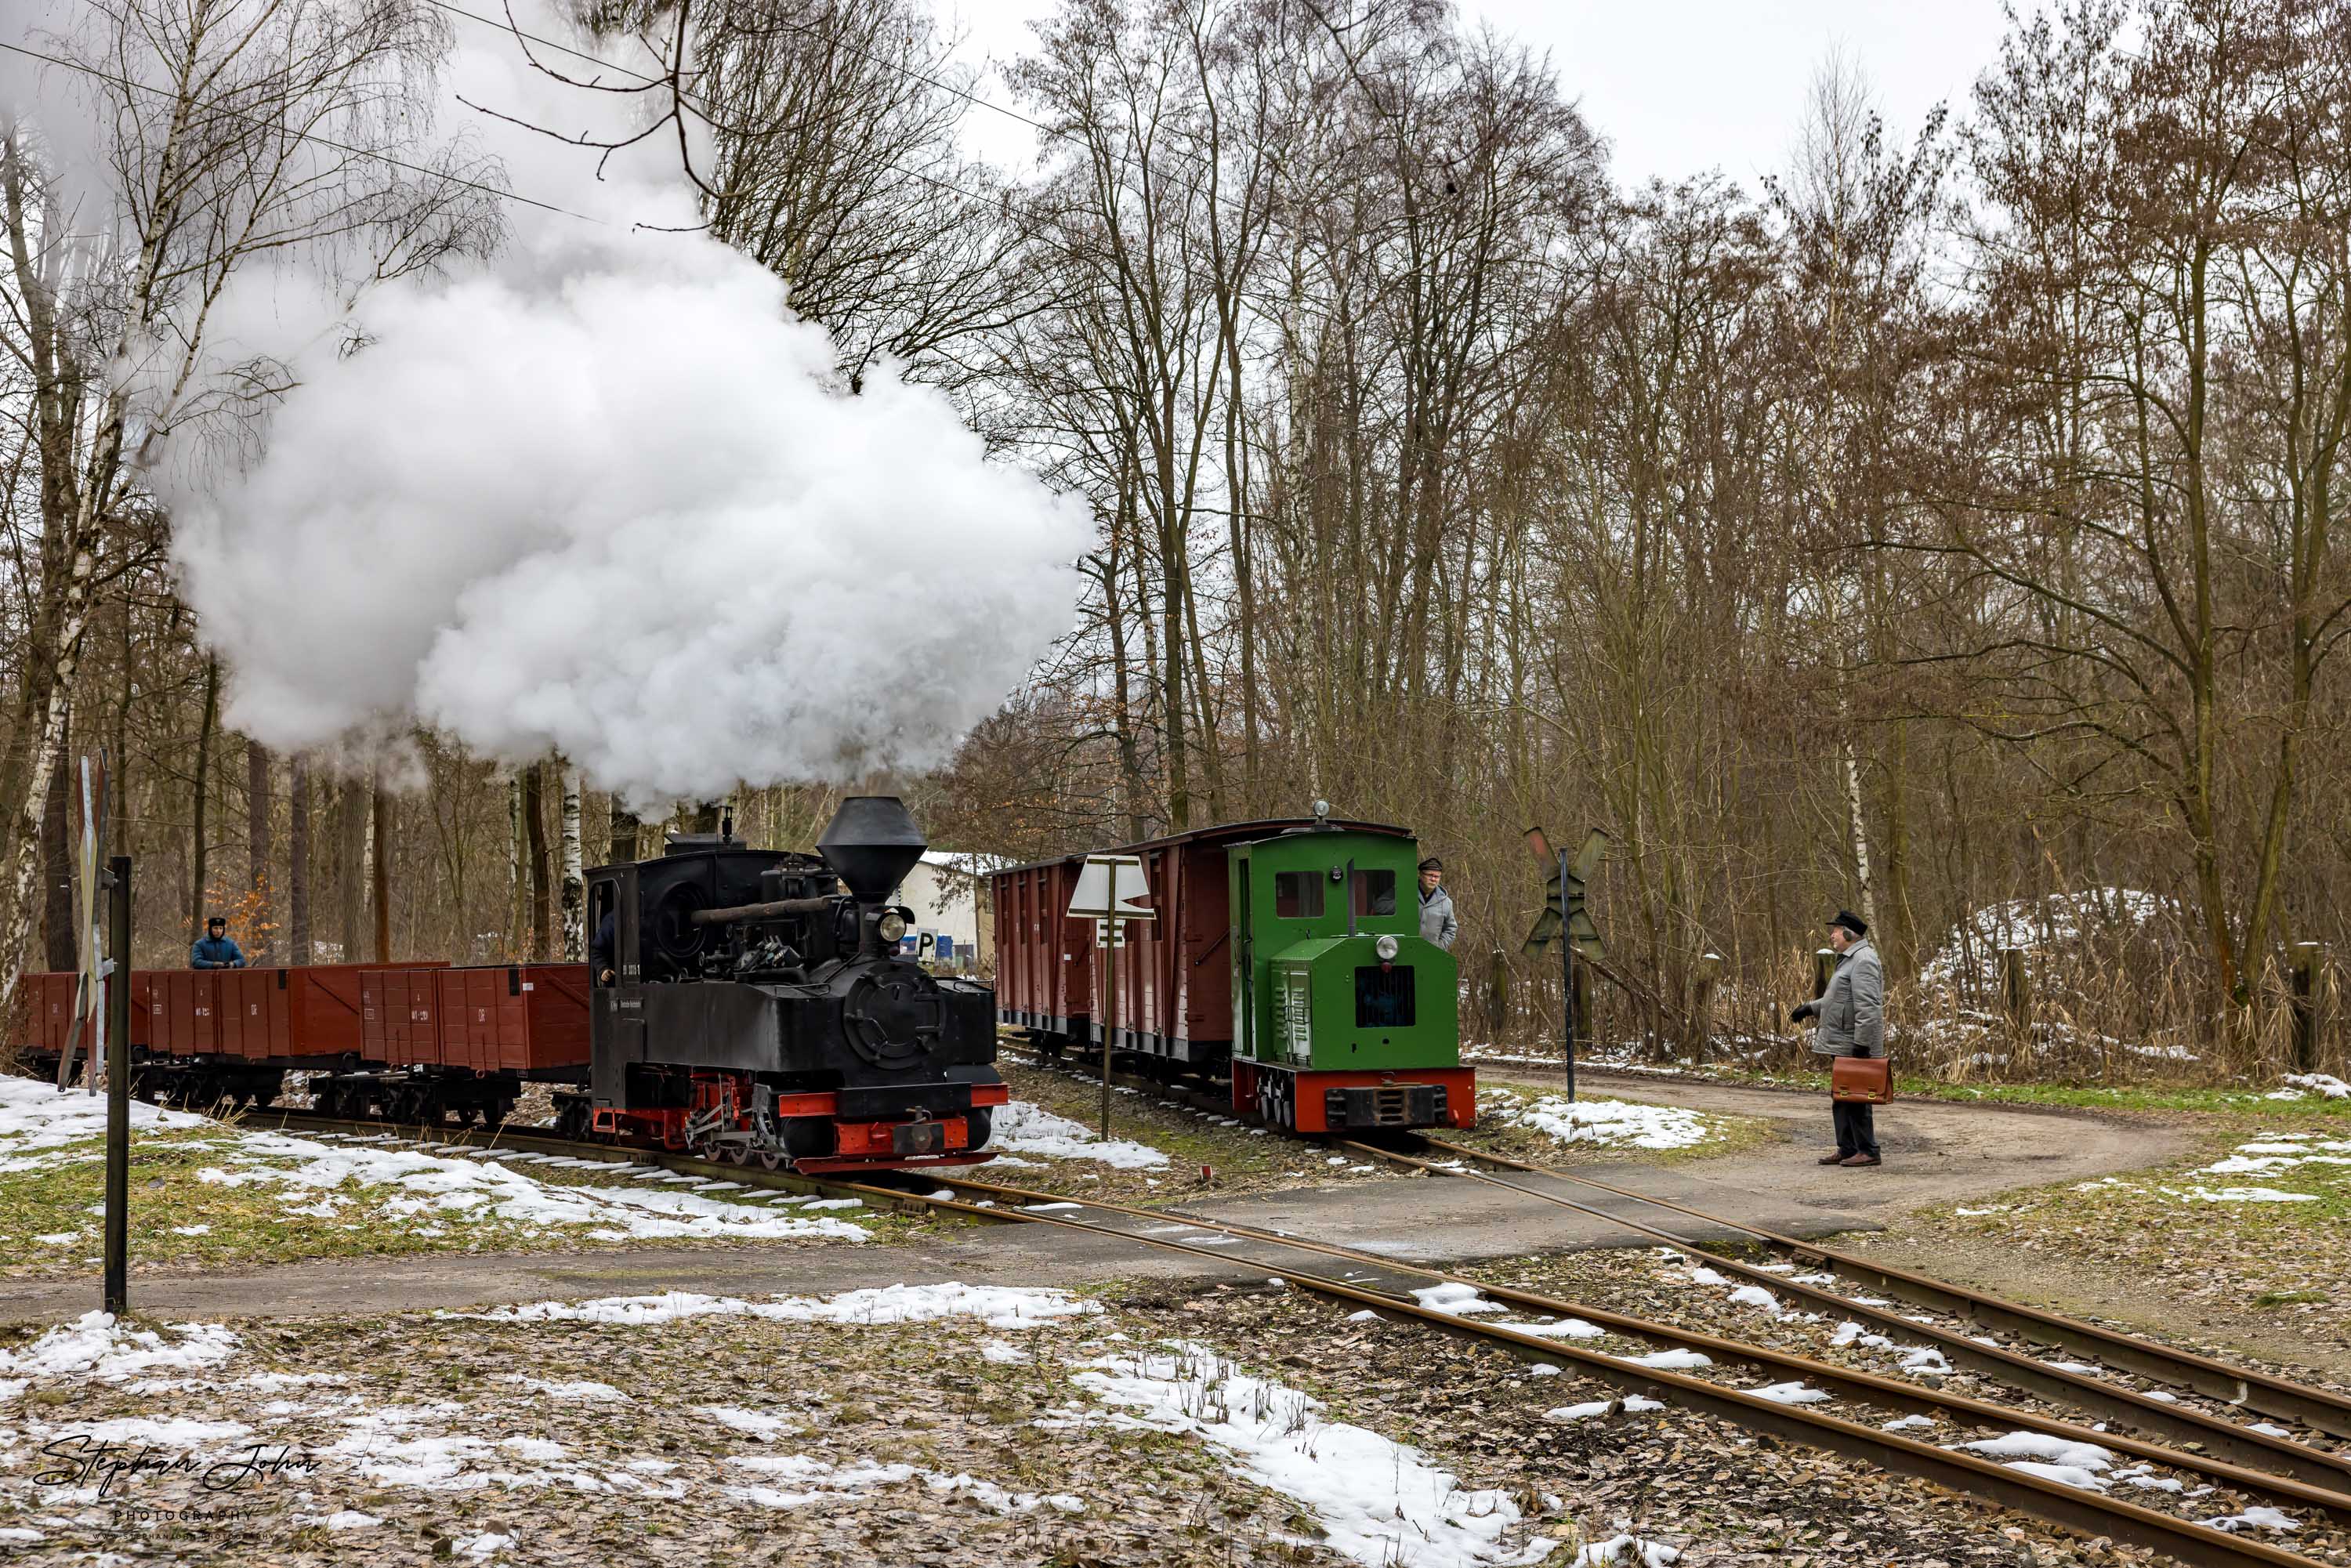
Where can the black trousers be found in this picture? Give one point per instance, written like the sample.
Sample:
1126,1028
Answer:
1856,1127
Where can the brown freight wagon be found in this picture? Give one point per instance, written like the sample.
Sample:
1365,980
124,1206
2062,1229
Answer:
399,1017
1044,960
526,1018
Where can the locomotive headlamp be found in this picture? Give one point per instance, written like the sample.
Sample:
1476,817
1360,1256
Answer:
1386,948
890,926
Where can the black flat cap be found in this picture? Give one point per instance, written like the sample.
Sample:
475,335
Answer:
1851,922
1432,863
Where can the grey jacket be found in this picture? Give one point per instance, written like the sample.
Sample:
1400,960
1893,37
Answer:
1852,1012
1436,922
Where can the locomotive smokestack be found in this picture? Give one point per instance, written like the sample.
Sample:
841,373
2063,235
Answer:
871,843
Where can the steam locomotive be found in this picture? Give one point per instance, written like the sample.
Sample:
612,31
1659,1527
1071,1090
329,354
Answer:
745,1005
750,1005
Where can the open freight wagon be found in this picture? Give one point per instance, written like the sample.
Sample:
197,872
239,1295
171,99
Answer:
411,1040
1285,954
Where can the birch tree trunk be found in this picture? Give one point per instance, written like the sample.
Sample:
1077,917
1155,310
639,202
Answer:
379,871
575,882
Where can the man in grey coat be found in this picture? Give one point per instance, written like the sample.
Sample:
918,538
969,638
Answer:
1852,1022
1436,922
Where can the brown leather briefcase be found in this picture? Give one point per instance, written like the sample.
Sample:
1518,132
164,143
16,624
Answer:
1866,1078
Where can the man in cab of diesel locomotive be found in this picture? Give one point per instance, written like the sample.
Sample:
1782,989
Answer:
215,949
1851,1017
1436,922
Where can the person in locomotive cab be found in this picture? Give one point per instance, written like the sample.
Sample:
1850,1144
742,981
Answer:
1851,1016
1436,922
215,949
600,949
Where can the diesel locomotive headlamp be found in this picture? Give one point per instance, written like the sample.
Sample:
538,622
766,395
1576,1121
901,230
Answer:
1386,948
890,926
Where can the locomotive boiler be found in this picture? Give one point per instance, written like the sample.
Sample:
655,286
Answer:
751,1006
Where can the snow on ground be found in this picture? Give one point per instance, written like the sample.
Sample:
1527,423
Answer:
1623,1551
997,1306
1969,959
95,1347
329,1177
40,1120
1608,1123
361,1184
1379,1502
1029,1129
2318,1083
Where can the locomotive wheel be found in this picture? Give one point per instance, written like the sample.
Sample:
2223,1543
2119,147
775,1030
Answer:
771,1161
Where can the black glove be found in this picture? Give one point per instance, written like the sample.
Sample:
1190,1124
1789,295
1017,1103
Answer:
1803,1010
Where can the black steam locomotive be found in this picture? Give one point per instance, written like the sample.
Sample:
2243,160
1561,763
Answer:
751,1006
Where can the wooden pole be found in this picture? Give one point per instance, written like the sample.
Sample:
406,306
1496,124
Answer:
1709,974
2016,989
117,1088
2309,959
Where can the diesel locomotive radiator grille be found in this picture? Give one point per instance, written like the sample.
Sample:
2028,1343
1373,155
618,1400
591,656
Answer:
1383,996
1386,1105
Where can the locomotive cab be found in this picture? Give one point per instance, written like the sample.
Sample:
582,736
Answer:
752,1006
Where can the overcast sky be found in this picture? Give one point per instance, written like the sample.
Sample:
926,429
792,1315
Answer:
1676,86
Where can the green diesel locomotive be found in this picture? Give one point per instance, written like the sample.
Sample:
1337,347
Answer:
1285,956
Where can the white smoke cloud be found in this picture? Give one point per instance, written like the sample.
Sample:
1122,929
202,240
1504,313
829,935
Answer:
604,497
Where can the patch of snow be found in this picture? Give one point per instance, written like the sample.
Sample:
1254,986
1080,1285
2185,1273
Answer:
1456,1300
2321,1083
2250,1195
1755,1296
997,1306
37,1117
2255,1518
595,1393
94,1346
1626,1552
1670,1360
761,1425
1379,1502
409,1185
2043,1445
1562,1328
1033,1129
2065,1475
1607,1124
1906,1423
1631,1402
351,1518
1791,1393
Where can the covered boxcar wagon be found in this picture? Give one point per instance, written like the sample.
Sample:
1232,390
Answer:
1285,954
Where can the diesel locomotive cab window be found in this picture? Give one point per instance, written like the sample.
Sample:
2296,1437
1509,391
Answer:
1383,996
1297,895
1375,893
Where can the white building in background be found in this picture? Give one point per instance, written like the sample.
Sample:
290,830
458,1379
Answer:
948,894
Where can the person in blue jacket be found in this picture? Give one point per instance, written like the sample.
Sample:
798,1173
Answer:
215,951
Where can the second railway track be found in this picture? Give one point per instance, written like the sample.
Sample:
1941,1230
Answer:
2282,1473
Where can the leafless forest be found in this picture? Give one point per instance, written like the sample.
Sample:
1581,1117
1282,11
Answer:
1945,521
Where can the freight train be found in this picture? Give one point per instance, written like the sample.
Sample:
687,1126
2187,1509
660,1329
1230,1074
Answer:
743,1005
1285,957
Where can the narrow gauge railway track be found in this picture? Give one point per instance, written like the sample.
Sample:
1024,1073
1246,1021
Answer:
2320,1409
2089,1514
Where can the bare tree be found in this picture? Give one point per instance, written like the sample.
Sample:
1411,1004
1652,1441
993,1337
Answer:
228,133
